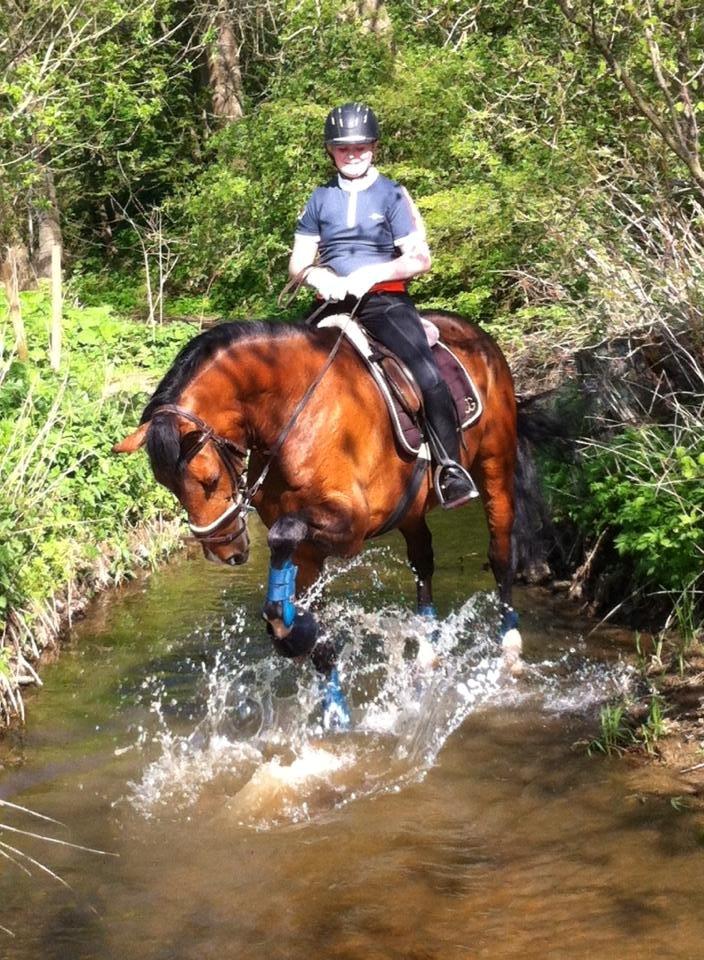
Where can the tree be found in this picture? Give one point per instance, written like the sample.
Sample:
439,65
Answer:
653,50
91,101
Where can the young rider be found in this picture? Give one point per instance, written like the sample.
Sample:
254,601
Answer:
370,240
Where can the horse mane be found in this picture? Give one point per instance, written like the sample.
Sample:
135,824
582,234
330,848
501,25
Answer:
163,438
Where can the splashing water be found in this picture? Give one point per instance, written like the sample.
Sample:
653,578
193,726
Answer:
258,743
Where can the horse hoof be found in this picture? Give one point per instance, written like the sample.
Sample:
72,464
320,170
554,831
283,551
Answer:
511,642
427,657
336,713
299,640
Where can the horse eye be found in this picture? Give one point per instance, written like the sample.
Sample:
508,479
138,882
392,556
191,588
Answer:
210,485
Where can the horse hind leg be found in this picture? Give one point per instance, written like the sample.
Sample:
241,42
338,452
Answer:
419,549
497,484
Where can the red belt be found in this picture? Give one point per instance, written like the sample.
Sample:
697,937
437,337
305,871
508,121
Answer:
389,286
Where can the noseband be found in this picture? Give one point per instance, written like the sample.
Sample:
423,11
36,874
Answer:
232,457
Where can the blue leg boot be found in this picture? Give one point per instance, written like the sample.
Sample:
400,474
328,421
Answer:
300,625
336,712
426,656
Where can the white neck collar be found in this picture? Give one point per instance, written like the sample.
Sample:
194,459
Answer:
360,183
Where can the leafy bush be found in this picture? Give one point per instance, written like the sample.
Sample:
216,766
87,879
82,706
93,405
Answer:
645,489
66,502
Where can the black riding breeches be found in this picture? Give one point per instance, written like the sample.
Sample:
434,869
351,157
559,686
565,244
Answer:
392,319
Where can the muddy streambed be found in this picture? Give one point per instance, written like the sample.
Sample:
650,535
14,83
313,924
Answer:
457,819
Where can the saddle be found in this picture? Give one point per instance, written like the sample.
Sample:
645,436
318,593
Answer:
398,388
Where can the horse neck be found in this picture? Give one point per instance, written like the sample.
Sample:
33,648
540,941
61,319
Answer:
252,388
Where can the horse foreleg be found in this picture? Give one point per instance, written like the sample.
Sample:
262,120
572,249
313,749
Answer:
294,632
419,549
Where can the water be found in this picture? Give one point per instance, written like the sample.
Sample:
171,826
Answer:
460,818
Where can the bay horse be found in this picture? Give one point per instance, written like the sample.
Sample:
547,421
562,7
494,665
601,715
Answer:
320,445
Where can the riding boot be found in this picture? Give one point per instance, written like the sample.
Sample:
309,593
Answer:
453,485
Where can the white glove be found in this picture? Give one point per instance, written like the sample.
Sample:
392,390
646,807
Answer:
360,281
327,283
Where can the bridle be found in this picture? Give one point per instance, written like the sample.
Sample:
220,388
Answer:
233,458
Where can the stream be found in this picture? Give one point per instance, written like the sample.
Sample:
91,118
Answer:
461,817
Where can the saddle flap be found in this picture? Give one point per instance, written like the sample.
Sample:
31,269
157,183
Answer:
400,391
403,388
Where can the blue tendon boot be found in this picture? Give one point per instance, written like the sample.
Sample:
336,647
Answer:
301,624
427,657
427,610
281,590
336,712
511,640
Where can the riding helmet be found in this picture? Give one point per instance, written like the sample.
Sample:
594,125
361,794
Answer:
351,123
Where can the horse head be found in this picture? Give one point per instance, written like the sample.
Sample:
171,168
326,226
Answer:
205,471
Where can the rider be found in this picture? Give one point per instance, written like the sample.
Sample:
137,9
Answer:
370,240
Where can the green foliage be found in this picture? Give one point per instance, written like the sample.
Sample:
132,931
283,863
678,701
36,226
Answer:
5,670
486,191
102,94
618,732
615,734
651,493
66,501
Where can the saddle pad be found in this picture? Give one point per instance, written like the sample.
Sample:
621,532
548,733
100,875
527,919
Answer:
406,428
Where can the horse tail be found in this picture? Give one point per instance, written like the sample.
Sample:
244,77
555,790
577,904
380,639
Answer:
535,544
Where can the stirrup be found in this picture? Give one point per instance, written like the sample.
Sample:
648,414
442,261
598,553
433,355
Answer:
471,492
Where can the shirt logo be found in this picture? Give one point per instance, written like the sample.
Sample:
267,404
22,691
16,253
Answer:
376,216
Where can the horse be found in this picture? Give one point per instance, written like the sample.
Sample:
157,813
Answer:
294,407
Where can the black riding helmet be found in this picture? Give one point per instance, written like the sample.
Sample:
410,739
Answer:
351,123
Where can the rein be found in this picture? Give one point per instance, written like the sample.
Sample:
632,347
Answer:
233,456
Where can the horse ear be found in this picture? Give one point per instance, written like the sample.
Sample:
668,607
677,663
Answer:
133,442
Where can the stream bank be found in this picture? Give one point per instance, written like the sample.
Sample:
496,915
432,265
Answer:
624,481
74,518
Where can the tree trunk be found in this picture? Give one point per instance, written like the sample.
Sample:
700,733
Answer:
18,254
374,15
224,72
49,225
10,274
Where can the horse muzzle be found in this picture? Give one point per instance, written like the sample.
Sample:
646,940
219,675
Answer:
223,554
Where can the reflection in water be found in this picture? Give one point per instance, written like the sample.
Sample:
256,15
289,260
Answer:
455,821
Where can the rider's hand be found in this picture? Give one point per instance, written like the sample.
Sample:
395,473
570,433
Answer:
360,281
327,284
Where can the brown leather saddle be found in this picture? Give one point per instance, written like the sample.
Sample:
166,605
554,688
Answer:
398,388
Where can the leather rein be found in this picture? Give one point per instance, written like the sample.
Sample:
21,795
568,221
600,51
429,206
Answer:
233,456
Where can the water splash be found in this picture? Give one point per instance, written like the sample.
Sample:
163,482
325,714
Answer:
256,743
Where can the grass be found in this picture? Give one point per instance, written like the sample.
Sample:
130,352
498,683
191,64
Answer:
620,731
23,861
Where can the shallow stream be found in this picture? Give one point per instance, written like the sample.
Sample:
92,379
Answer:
462,817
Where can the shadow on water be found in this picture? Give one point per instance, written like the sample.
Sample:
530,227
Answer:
456,820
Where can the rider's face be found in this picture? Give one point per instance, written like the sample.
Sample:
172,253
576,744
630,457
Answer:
353,159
